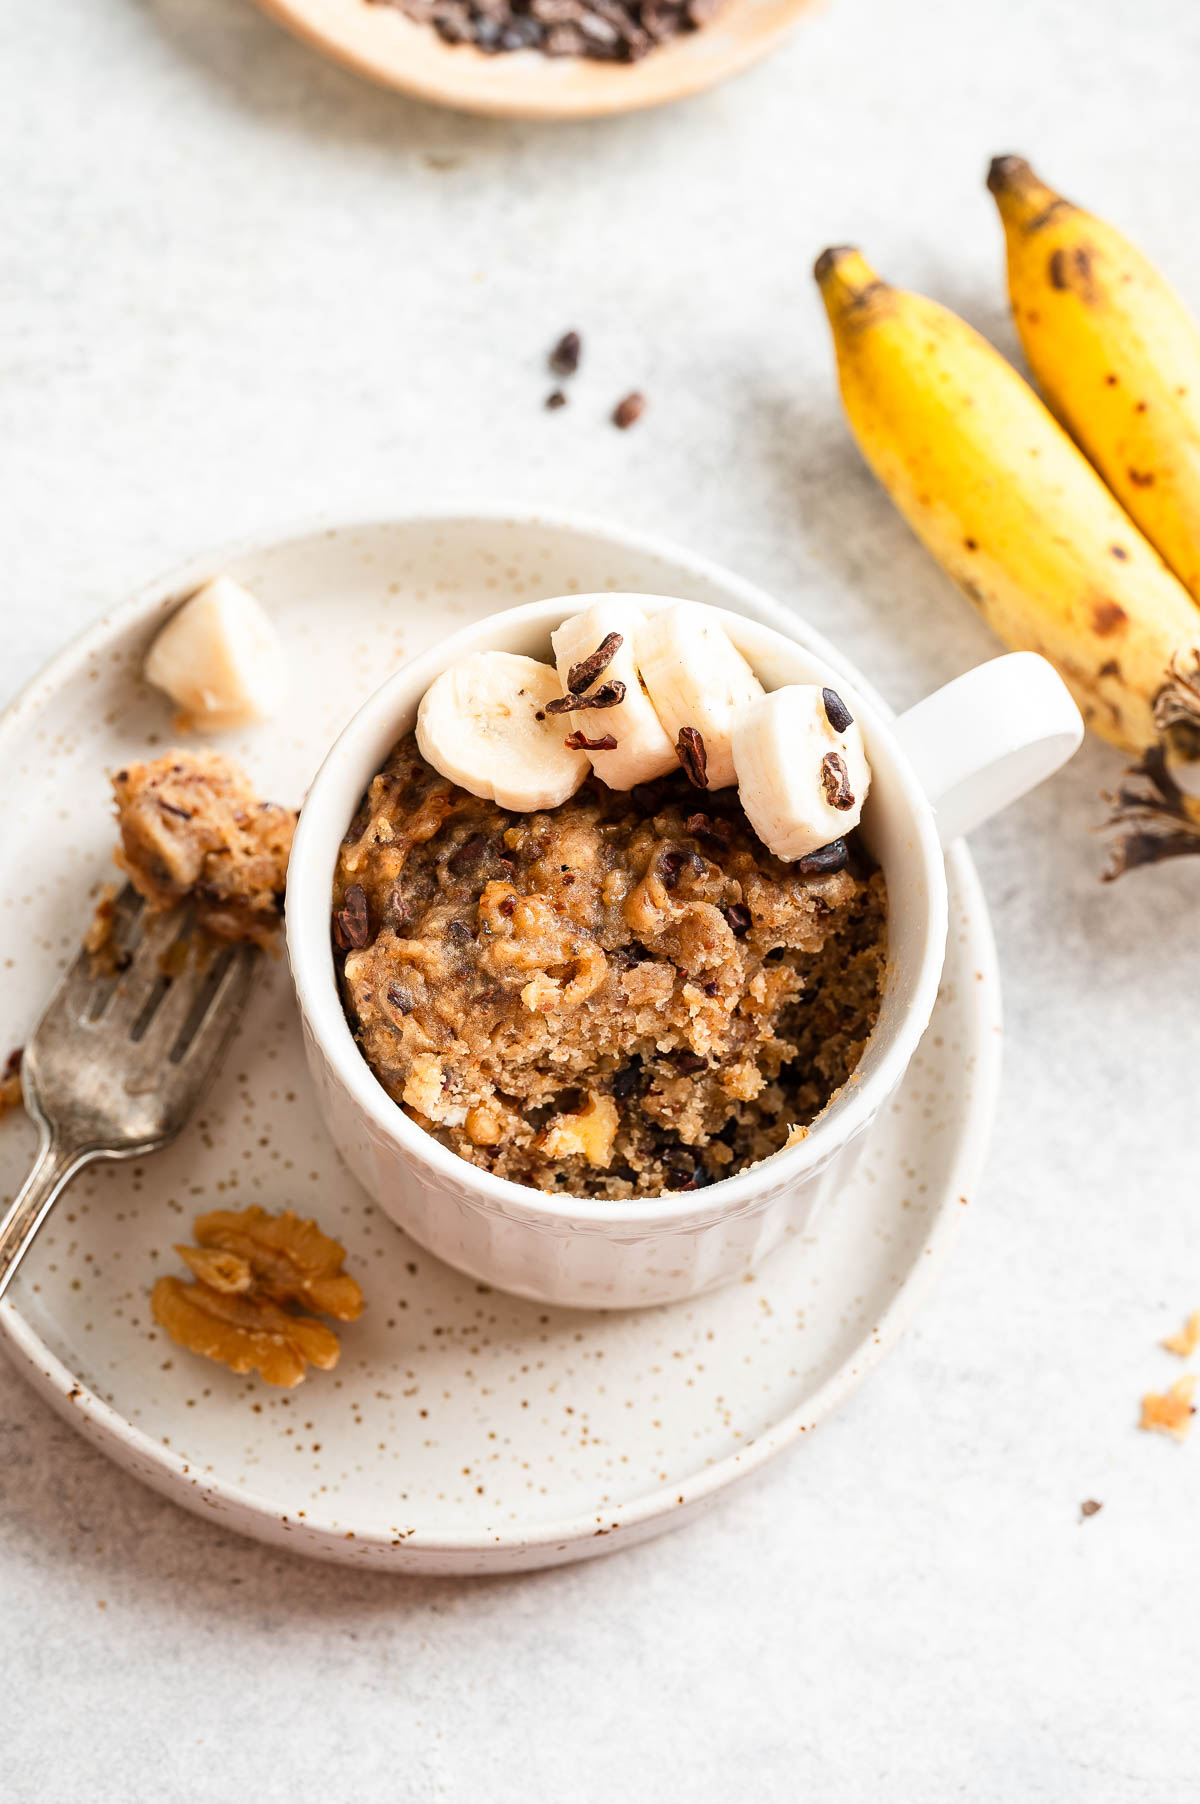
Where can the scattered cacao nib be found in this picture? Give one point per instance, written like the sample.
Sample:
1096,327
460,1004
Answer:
825,860
687,1062
703,826
836,712
628,412
739,917
555,399
358,826
674,862
608,695
612,31
581,676
689,749
468,857
508,905
634,953
835,780
351,923
183,814
458,933
579,742
1089,1507
400,910
712,987
400,998
682,1169
628,1080
564,358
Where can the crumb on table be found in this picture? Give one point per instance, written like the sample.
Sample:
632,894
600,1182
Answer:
1172,1411
1187,1339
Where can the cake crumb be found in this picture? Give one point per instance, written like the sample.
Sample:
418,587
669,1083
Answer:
1185,1342
1089,1507
193,828
1172,1411
10,1081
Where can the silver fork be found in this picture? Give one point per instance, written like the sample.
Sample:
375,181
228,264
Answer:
117,1064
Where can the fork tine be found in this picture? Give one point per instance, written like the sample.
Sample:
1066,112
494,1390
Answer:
207,1030
82,983
135,986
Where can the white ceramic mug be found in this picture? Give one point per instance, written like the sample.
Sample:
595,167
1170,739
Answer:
949,763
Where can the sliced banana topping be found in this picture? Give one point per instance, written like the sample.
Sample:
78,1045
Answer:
802,769
484,723
219,657
699,684
597,651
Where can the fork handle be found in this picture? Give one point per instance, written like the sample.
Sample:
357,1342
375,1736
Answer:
53,1169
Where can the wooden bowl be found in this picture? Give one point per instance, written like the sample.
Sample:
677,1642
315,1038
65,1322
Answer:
380,42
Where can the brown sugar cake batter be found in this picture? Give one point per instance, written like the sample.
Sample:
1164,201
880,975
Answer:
622,995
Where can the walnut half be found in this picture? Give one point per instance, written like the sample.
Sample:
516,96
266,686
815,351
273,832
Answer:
248,1267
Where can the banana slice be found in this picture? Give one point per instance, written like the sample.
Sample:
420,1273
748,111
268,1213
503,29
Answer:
697,681
219,657
483,723
588,659
802,769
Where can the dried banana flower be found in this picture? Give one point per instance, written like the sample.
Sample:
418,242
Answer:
1158,820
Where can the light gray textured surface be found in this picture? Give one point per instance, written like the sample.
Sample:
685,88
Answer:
249,287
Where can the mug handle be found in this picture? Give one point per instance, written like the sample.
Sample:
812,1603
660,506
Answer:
983,740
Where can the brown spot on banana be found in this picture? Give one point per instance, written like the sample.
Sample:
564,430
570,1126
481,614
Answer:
1110,669
1141,479
1071,268
1107,616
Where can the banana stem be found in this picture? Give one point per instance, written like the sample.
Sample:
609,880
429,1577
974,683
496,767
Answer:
845,279
1024,200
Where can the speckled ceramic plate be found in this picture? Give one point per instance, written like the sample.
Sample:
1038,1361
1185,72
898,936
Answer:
464,1430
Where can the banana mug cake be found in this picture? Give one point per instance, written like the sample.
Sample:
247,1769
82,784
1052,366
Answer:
575,958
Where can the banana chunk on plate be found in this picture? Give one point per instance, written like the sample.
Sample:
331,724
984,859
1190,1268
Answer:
802,769
484,723
699,684
597,656
219,657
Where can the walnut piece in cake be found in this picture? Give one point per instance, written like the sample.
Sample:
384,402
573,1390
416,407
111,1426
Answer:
192,827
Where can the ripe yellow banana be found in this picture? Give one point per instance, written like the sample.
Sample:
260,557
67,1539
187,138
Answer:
1116,353
997,491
